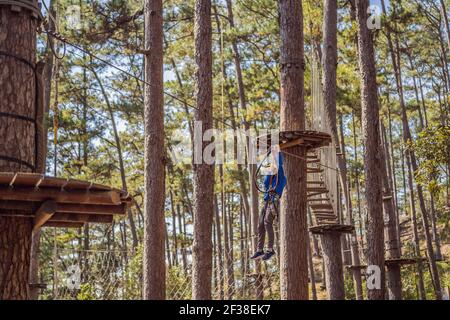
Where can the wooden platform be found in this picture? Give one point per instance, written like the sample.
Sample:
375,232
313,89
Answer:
341,228
59,202
356,267
288,139
403,261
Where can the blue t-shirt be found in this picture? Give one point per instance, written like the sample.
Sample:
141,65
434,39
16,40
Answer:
277,182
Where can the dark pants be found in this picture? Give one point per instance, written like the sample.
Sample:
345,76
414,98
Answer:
266,218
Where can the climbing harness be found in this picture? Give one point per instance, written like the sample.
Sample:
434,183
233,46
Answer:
256,174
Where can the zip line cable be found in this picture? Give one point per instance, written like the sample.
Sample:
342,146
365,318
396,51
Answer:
59,37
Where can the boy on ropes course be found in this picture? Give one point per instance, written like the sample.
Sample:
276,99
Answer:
274,183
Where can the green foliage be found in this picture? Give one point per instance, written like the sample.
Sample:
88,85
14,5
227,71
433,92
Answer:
433,150
350,293
113,30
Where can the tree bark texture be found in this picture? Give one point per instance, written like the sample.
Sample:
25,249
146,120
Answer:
154,172
18,140
293,215
334,273
203,173
372,142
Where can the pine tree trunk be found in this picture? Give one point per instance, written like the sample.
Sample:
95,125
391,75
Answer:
435,233
353,240
293,215
420,284
119,155
371,138
253,227
33,291
394,282
231,279
396,62
174,230
358,192
219,265
425,116
154,166
215,279
390,161
329,65
356,272
446,26
203,172
242,105
416,90
334,273
48,69
315,242
45,79
168,254
312,279
18,96
182,239
242,252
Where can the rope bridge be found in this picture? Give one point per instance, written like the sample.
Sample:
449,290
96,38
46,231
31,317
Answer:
321,163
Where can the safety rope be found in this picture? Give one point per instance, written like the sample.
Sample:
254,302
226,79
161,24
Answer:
18,116
303,158
271,188
19,161
55,117
57,31
18,58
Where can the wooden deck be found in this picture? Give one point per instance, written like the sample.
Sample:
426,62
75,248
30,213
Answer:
59,202
286,139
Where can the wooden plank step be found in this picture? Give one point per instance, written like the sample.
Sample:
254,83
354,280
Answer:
316,194
315,182
325,215
317,199
321,206
313,170
320,229
76,196
326,221
323,211
317,189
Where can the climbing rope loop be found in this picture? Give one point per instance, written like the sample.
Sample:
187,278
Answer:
54,34
257,174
